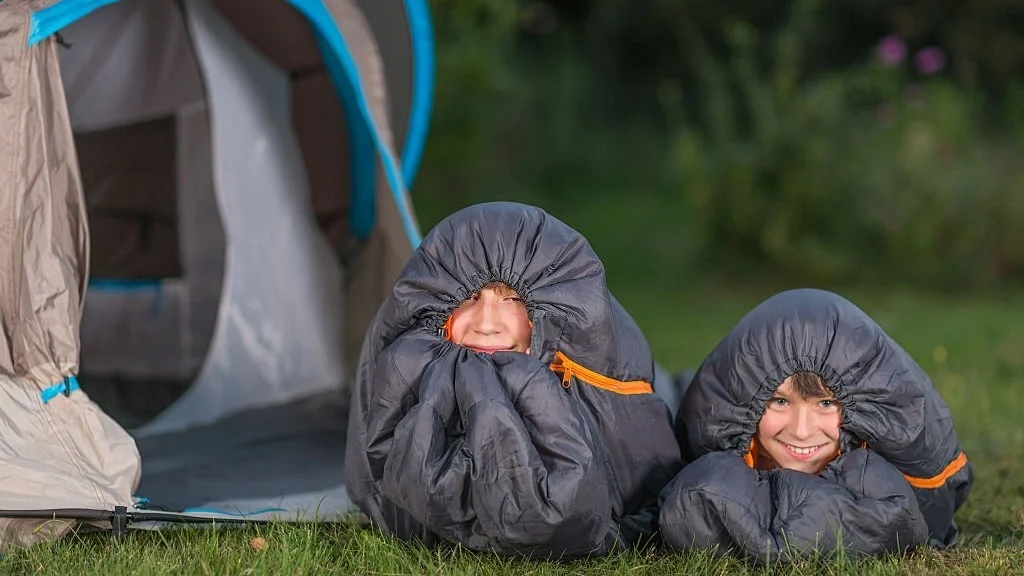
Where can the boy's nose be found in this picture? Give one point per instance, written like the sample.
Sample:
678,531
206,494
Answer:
487,318
805,424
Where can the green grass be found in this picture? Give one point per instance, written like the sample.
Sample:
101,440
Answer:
971,347
350,550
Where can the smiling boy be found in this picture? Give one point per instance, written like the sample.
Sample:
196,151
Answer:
808,431
799,429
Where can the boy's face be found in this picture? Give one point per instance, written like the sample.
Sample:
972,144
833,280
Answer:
492,320
799,433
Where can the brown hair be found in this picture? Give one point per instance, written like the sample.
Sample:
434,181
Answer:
809,385
500,287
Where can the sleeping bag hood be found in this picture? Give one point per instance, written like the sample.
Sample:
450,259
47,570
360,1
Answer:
900,459
561,452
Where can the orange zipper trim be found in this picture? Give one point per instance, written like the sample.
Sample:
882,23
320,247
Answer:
938,480
568,369
751,456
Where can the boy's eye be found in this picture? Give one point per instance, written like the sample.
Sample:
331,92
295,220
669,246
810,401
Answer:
776,401
513,299
828,404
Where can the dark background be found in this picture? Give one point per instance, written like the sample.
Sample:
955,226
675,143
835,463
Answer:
702,140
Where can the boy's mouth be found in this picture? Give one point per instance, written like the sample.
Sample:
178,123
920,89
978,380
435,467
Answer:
802,452
489,349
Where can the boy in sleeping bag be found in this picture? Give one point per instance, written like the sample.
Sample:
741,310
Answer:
504,398
808,430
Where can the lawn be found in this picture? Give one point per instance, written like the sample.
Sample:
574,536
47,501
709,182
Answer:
972,347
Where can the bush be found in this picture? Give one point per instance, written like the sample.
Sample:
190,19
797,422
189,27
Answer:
475,79
864,174
518,116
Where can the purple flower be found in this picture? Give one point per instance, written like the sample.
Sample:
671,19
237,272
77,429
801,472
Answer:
891,50
929,60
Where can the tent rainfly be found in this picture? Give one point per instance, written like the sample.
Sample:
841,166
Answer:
203,204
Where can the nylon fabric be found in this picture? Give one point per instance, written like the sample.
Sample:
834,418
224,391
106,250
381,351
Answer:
888,402
861,507
491,451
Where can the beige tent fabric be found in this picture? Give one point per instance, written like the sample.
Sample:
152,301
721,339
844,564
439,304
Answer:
43,231
66,453
372,273
43,276
63,454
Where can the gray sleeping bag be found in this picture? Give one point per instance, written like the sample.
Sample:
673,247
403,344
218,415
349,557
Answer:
900,475
505,452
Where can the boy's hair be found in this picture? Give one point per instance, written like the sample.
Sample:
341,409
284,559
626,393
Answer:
809,385
500,287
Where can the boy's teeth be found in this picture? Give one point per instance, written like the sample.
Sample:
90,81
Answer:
802,450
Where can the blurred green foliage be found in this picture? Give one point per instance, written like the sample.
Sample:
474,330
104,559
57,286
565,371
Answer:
691,137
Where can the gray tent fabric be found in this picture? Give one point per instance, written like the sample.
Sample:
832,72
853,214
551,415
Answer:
500,452
279,341
901,474
195,155
284,461
158,332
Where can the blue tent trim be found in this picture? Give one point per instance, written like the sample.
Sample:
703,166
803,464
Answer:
320,17
422,34
126,284
362,207
345,78
52,18
362,153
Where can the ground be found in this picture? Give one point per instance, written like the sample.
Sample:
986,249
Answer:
972,347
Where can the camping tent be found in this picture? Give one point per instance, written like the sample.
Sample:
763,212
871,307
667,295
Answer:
203,204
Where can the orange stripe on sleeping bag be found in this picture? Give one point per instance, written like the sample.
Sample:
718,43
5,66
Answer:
751,456
446,330
938,480
568,369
